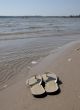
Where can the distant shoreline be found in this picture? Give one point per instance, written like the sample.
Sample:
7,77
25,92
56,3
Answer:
38,16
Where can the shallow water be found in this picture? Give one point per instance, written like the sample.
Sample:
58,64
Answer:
23,40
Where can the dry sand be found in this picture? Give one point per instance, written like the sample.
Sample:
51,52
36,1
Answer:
66,64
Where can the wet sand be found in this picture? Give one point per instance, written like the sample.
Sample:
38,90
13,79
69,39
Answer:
65,62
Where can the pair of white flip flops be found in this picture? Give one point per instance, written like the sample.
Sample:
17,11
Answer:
36,84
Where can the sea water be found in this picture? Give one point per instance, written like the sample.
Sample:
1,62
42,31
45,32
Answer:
27,39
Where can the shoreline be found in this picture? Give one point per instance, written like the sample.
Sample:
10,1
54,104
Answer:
65,62
52,57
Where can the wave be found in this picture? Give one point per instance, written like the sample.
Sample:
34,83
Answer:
34,27
16,33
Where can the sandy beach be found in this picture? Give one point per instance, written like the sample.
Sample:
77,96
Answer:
65,62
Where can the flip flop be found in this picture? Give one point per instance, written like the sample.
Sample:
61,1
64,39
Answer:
50,80
35,85
52,75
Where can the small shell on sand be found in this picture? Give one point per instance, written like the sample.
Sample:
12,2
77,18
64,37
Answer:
34,62
69,59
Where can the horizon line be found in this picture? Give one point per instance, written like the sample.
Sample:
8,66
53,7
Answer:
40,16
